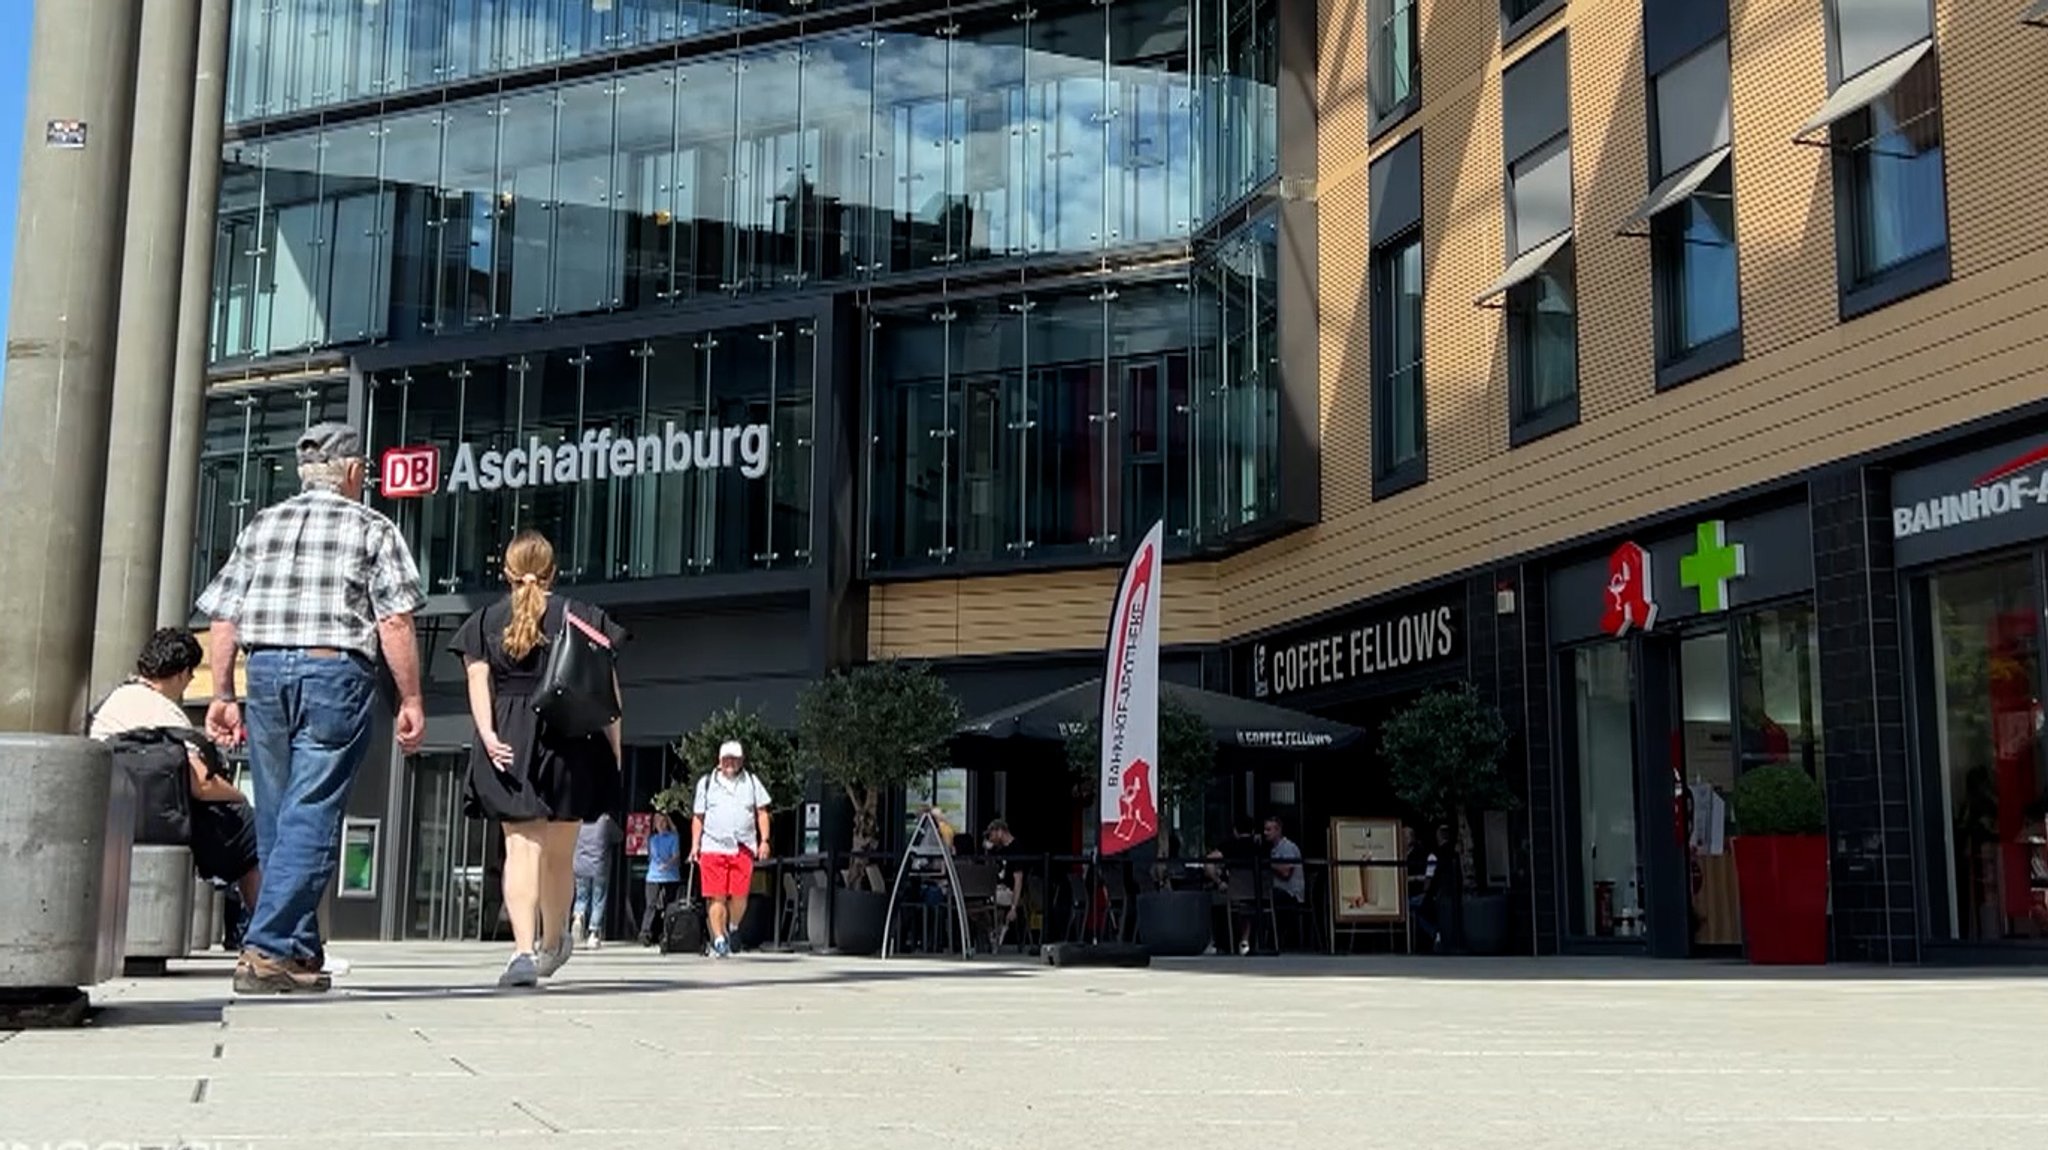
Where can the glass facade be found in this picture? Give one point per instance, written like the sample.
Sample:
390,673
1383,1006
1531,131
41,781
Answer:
672,456
249,461
1988,768
1062,421
895,148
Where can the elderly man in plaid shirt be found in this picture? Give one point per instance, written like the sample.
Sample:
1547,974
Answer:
317,586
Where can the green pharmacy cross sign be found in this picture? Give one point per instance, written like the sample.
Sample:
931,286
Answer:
1712,564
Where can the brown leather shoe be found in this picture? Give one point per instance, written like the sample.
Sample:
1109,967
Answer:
258,973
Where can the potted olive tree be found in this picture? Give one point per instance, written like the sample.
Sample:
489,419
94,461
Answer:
871,731
1443,756
1170,922
1781,865
771,757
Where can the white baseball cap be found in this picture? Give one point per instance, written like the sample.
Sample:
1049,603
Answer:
732,750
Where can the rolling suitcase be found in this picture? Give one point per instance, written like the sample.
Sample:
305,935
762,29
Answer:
682,921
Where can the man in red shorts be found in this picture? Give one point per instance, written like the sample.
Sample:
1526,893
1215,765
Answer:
728,831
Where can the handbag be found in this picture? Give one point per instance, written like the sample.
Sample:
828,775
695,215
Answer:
579,691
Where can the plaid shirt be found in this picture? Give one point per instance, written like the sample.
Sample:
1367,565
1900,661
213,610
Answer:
317,570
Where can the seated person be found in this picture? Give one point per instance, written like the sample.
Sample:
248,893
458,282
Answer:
223,831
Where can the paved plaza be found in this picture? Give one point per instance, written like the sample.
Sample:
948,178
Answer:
800,1053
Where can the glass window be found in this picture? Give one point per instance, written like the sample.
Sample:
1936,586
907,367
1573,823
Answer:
1693,254
354,270
838,100
1897,205
643,187
1868,32
1610,901
1397,350
1396,56
1518,9
1777,676
1983,636
525,203
707,97
771,171
1691,99
467,224
585,246
1542,194
1543,343
288,315
409,177
1237,64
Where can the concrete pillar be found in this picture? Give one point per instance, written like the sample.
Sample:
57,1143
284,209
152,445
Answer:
195,318
131,536
60,343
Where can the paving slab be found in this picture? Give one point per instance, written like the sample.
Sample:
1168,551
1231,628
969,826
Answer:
417,1048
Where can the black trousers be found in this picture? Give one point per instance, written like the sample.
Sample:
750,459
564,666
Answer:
659,895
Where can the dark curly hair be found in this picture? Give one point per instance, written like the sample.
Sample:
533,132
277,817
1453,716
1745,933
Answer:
170,652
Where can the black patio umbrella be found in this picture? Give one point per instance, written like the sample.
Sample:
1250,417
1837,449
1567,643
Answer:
1239,723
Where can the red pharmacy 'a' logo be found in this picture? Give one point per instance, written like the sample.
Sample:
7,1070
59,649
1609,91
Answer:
1631,600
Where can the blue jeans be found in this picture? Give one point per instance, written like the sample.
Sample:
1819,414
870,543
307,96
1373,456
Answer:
309,729
593,895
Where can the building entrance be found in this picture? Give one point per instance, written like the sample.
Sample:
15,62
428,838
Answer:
448,884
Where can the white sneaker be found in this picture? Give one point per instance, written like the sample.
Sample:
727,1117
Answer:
596,942
334,967
578,931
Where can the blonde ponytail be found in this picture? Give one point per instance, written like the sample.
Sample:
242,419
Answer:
530,568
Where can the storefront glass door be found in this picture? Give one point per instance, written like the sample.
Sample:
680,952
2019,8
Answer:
1702,788
1660,729
445,887
1983,634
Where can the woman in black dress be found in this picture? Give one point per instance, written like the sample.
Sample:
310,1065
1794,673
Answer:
541,785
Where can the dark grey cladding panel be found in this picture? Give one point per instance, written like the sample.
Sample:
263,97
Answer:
681,645
1395,194
1533,105
1778,561
1675,29
1975,501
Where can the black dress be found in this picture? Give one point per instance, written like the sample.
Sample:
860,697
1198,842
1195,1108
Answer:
551,777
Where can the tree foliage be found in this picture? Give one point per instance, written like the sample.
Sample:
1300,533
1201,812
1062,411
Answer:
771,756
1187,754
1443,756
874,728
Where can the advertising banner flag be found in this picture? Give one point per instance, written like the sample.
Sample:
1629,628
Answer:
1130,703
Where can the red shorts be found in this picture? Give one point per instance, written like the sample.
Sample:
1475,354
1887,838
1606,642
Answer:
726,876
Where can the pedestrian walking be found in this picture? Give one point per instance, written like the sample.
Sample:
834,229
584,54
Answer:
728,832
542,784
597,844
664,875
318,587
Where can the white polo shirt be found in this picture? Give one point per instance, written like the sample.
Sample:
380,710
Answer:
727,807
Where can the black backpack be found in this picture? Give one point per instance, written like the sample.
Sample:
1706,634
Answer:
578,694
157,760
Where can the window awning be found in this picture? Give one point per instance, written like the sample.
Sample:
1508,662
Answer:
1673,190
1859,92
1527,264
2037,15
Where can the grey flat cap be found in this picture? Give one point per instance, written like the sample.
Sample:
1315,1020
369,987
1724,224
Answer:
329,442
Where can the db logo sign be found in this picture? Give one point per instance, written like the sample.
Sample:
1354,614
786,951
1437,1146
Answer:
410,472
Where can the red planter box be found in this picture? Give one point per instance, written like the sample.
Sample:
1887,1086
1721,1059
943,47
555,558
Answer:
1784,884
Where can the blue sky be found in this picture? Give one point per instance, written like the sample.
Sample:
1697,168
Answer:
14,33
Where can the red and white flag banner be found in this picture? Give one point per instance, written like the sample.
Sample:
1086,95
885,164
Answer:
1130,704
